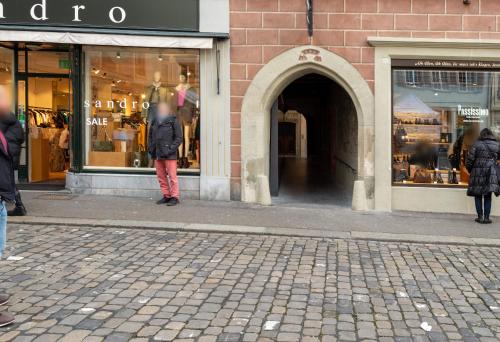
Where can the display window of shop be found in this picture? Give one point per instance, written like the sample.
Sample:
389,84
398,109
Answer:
122,89
7,70
6,67
439,108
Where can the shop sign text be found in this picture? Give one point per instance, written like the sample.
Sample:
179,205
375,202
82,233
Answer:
473,114
87,14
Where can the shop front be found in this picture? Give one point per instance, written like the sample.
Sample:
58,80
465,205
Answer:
433,99
86,81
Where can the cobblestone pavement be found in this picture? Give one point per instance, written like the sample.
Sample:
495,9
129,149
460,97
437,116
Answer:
94,284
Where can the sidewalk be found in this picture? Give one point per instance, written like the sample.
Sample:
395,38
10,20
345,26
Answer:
292,220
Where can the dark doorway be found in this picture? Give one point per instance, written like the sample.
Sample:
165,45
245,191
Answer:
287,138
315,143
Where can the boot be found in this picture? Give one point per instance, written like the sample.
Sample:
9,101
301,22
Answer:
4,299
6,319
487,220
164,200
173,202
480,219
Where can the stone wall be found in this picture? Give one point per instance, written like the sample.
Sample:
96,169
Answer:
262,29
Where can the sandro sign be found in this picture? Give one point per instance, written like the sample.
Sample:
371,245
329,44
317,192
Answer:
161,15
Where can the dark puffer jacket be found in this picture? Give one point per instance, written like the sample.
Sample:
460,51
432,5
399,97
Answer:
164,139
483,177
7,185
14,133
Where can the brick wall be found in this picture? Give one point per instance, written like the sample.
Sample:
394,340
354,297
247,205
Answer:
262,29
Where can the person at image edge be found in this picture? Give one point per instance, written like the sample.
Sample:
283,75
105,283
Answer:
165,137
7,190
14,134
484,176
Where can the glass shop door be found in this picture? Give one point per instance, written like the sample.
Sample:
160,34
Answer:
44,107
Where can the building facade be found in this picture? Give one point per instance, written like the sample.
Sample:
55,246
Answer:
86,80
369,102
404,87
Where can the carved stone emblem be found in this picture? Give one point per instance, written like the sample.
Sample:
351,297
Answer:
310,54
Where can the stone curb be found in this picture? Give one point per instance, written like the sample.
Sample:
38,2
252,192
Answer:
296,232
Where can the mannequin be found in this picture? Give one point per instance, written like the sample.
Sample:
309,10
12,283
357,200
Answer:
187,99
155,93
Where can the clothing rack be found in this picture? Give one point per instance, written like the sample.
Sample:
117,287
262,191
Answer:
47,117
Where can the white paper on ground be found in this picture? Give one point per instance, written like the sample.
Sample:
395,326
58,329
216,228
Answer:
426,326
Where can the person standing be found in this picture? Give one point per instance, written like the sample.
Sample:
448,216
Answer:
484,180
14,134
165,137
7,194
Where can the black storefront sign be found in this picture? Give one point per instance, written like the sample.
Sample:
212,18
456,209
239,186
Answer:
153,15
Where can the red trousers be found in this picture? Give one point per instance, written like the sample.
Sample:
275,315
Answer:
166,171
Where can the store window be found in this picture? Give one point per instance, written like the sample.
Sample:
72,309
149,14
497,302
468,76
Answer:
437,116
122,89
6,70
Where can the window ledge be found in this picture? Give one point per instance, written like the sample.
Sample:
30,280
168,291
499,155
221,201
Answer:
440,43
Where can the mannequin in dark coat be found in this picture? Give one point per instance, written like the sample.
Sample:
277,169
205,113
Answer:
484,180
14,134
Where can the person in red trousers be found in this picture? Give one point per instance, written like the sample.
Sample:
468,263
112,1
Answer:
165,137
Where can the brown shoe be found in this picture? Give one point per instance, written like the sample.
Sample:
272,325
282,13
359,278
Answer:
6,319
4,299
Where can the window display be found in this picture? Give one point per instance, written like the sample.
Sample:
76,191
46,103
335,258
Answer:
437,116
123,88
6,61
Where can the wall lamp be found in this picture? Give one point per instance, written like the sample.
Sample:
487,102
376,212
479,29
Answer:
467,2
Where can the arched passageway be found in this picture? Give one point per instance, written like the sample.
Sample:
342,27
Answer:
260,100
317,143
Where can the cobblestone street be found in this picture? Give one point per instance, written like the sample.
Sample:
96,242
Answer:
93,284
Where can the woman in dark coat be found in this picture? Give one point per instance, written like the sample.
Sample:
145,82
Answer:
484,180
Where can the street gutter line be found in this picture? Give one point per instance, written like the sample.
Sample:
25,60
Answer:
256,230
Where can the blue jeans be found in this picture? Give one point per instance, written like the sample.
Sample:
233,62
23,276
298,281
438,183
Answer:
487,206
3,227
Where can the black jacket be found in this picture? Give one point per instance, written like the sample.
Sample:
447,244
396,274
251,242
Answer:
164,139
14,133
483,178
7,183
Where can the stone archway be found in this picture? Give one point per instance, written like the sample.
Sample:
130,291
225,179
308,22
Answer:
255,117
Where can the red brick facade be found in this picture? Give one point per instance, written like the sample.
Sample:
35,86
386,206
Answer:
262,29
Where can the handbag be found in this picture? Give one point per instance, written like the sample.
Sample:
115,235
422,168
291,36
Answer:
103,146
106,145
400,134
422,176
495,167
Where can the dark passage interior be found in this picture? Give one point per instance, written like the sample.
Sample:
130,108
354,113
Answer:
313,143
